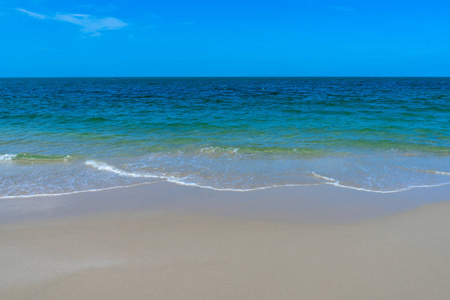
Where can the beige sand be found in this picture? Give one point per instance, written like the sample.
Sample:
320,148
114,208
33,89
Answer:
167,255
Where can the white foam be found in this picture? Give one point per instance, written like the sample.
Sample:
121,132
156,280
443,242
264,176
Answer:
323,177
180,182
331,181
442,173
213,150
77,192
433,172
7,157
102,166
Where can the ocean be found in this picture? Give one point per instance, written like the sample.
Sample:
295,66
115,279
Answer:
65,135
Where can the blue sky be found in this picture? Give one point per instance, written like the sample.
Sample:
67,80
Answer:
225,38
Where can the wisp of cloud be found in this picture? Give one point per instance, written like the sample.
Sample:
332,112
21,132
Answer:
90,24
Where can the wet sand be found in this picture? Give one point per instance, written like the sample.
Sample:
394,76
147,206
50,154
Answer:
166,242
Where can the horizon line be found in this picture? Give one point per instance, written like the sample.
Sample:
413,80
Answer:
237,76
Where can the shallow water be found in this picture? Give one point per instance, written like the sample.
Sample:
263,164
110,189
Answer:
374,134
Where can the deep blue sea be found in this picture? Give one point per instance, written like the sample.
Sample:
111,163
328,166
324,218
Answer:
62,135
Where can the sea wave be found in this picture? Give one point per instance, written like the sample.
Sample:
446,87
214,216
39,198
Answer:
334,182
33,157
7,157
432,172
102,166
189,181
243,151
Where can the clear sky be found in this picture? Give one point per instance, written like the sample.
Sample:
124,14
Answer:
225,38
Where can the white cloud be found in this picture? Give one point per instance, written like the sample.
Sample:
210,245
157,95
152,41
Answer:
90,24
32,14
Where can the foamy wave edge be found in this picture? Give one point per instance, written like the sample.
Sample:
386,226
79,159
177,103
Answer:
334,182
101,166
7,157
326,180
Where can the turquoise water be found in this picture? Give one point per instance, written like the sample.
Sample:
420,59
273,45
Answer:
75,134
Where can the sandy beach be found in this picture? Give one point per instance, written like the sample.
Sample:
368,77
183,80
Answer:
150,250
235,150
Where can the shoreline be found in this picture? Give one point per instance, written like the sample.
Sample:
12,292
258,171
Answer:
298,204
330,183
